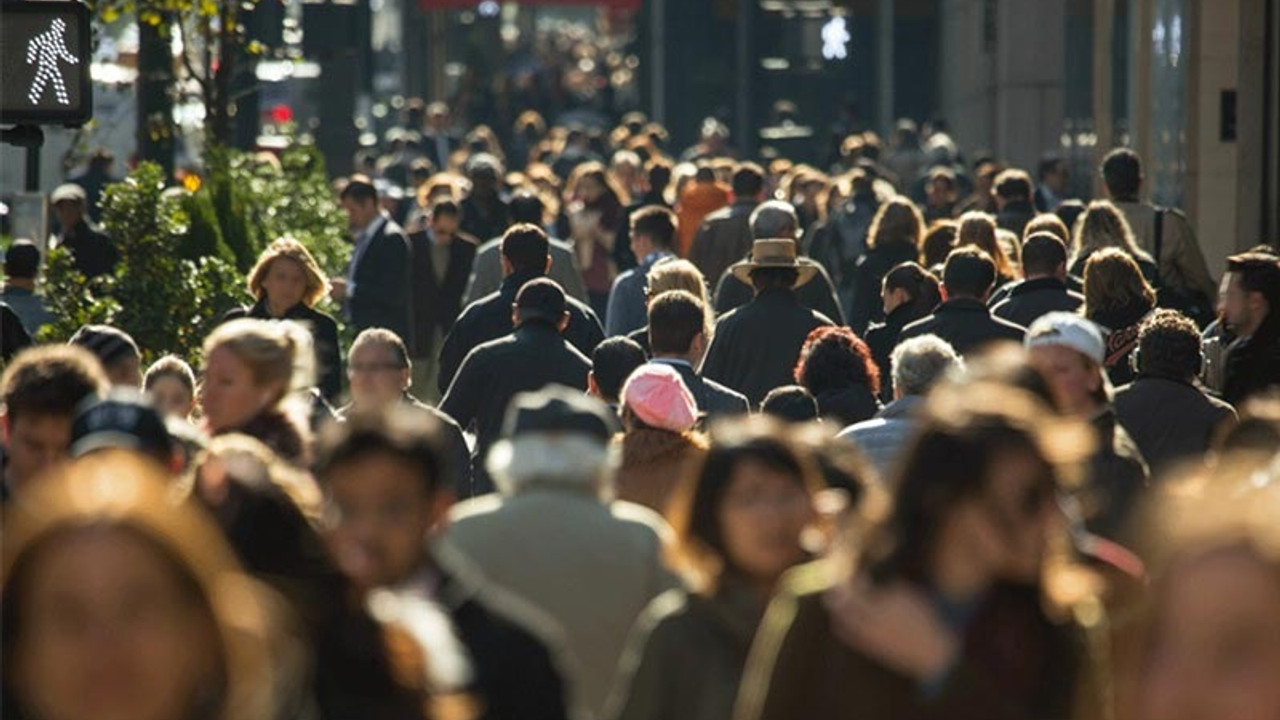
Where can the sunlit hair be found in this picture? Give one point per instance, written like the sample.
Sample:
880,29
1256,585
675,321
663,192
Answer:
170,366
694,508
833,358
277,352
938,242
118,491
897,222
1103,225
1050,223
289,249
1112,280
979,229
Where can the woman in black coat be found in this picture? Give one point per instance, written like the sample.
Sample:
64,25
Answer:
894,238
287,284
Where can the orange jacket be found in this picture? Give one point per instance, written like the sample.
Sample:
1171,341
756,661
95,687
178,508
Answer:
696,202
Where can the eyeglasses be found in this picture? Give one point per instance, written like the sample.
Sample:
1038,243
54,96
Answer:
373,367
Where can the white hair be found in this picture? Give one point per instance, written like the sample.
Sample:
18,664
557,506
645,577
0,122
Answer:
571,460
921,361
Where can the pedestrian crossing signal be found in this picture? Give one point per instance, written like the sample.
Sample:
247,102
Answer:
45,53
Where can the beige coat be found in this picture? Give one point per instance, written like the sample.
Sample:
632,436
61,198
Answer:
1181,261
591,566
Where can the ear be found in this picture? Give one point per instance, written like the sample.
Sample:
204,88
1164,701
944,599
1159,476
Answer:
547,268
593,389
441,503
4,427
506,265
942,290
564,322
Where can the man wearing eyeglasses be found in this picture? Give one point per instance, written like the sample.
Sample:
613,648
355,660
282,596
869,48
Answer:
379,372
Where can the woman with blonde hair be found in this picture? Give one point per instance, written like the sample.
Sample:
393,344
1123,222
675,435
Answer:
119,603
894,238
1103,225
979,229
673,274
287,284
251,368
1117,298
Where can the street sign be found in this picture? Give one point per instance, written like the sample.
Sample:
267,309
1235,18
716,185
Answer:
45,52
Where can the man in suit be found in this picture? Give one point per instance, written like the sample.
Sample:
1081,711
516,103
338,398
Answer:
376,290
725,235
442,258
963,318
756,346
653,238
534,355
524,257
678,337
1044,289
438,143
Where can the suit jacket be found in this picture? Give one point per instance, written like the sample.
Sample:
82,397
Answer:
324,340
713,399
756,346
437,303
383,296
1026,301
966,324
532,356
455,443
490,318
626,312
819,294
1170,419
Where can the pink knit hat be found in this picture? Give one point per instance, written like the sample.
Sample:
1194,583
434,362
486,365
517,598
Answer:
658,396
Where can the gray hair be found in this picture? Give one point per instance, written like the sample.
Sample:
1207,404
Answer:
920,362
774,219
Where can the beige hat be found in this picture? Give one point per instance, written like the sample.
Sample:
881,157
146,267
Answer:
774,253
66,191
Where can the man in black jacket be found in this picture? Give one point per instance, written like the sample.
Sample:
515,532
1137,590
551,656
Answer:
532,356
1252,311
376,290
1044,288
963,318
678,337
397,459
1168,414
1014,192
756,346
93,252
442,257
524,257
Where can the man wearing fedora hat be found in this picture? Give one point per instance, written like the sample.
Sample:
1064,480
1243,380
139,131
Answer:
756,346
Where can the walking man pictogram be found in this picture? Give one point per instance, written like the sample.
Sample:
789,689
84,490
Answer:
47,49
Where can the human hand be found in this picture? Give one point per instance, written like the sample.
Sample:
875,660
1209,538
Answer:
896,625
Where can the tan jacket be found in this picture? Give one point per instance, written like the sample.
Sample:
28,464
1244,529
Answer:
1181,262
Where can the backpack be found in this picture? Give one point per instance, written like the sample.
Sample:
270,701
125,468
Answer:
1191,303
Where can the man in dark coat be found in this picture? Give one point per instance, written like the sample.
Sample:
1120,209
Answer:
653,239
963,318
524,258
532,356
725,236
1252,311
1069,352
756,346
908,293
394,458
1044,288
678,337
777,219
376,290
486,269
93,252
442,257
1168,414
485,212
438,142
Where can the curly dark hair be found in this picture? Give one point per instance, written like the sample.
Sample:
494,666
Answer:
50,380
833,358
1168,346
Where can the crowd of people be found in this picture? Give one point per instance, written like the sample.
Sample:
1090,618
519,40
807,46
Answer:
631,434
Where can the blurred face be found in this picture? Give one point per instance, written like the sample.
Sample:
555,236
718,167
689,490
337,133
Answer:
590,189
1243,310
1215,650
69,213
1058,179
172,396
34,444
1073,379
125,372
444,226
285,284
892,299
359,214
762,515
110,633
230,396
377,378
382,514
939,192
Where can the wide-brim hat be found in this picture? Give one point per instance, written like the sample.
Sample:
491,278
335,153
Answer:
774,253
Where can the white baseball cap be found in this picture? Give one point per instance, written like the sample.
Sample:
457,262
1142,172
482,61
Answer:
1068,330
